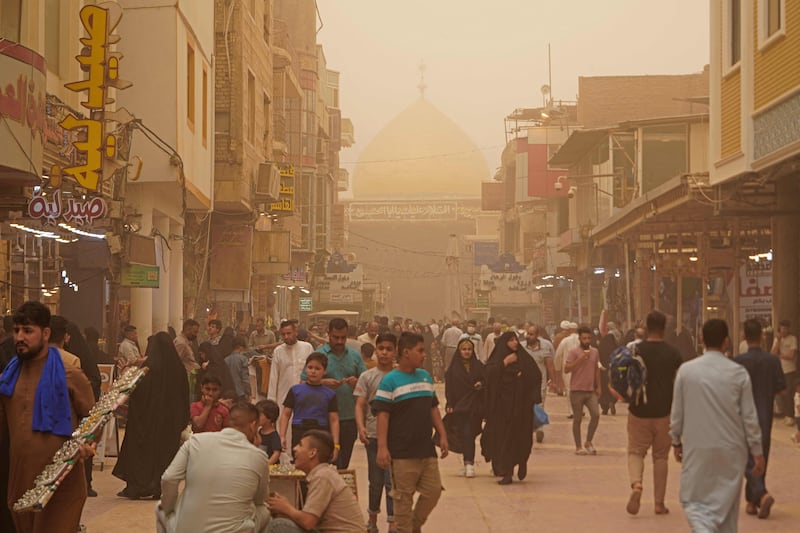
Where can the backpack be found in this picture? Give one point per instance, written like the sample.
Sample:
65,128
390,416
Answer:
627,376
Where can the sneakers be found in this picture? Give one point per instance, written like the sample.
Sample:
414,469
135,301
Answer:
469,470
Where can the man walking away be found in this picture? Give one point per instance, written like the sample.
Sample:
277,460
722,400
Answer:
648,423
713,426
767,378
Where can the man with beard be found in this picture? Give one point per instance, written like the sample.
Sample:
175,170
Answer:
344,367
183,344
584,390
38,420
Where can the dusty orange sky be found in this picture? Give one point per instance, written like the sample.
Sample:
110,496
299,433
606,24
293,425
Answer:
484,59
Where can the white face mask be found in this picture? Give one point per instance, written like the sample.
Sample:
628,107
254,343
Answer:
470,329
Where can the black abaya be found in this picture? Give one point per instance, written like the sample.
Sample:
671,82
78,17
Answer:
511,392
158,413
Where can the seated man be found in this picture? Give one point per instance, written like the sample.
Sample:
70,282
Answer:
330,506
226,481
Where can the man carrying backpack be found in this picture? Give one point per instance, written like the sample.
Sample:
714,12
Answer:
648,413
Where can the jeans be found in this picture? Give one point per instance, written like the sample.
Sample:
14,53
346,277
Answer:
378,479
347,438
465,425
787,400
756,486
579,398
410,476
644,433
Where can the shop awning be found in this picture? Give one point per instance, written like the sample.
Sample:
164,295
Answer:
576,146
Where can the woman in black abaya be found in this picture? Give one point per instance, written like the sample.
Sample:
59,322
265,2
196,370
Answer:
158,413
212,362
465,401
513,386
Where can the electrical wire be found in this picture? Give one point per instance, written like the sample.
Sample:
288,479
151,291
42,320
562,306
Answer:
424,157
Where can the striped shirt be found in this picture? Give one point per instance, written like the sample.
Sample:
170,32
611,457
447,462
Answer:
409,398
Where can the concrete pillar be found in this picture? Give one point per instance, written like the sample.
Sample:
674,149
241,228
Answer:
176,313
164,261
142,299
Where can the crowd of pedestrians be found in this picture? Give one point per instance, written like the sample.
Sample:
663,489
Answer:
212,416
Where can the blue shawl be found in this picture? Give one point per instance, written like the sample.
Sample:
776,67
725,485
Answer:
52,412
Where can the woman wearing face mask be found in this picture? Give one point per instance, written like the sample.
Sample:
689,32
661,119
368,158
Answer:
464,394
513,386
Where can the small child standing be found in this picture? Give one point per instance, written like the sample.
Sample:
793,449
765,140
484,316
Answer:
313,405
367,350
366,388
408,410
268,412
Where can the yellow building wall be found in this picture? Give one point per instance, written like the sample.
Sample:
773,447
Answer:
777,68
731,114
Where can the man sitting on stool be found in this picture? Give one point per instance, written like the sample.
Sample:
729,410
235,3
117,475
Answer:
226,481
330,504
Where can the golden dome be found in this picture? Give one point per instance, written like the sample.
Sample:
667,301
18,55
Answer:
420,154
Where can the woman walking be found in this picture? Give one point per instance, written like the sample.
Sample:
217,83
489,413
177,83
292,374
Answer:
513,386
158,413
464,393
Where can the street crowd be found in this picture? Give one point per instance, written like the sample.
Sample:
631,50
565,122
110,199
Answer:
210,418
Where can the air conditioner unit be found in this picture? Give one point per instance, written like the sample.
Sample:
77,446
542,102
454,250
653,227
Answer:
268,182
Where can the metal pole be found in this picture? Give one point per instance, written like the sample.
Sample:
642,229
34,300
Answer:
628,283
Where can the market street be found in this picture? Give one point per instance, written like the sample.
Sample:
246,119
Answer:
562,492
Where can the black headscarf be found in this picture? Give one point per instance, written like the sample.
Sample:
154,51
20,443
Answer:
225,345
511,392
158,413
78,346
460,383
207,352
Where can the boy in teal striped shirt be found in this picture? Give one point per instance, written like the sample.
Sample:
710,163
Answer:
407,411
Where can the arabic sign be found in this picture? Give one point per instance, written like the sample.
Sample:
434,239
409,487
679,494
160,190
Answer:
306,304
102,68
22,104
72,210
485,252
140,276
508,287
286,199
407,211
755,290
297,274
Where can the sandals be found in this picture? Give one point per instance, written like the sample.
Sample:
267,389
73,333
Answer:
581,452
590,450
634,501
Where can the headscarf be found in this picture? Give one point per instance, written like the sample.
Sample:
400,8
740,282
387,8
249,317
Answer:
524,363
216,367
164,392
459,383
51,406
78,346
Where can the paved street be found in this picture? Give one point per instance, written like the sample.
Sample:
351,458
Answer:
563,492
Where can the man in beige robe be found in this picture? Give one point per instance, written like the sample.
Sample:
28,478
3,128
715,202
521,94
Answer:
30,450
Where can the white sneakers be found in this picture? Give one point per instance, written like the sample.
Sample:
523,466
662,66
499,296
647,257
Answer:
469,470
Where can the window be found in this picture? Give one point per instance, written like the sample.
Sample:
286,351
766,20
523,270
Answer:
251,107
771,16
205,106
190,85
10,19
735,33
